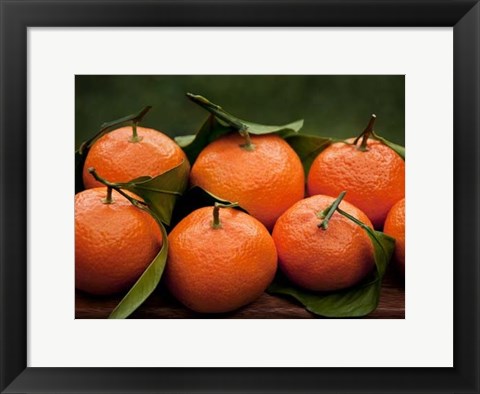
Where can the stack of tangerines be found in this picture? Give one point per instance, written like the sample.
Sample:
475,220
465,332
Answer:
221,258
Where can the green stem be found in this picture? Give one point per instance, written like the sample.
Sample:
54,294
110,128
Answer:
365,134
327,213
248,145
216,110
108,199
135,137
352,218
110,186
216,213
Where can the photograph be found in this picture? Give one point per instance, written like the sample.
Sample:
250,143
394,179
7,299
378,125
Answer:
239,196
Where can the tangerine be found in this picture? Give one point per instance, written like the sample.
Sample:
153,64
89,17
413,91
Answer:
120,157
114,242
323,259
222,264
395,227
372,174
265,179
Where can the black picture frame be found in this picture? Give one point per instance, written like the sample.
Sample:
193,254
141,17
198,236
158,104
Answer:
18,15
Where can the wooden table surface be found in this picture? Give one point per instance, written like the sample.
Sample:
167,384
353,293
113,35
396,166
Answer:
160,305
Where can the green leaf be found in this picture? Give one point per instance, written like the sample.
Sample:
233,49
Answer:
210,131
356,301
193,199
400,150
383,244
161,192
228,120
259,129
220,123
145,285
308,147
224,117
184,140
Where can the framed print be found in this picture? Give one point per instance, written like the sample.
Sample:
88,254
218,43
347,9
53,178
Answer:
250,106
267,295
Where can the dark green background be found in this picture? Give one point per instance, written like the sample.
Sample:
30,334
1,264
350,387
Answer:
332,105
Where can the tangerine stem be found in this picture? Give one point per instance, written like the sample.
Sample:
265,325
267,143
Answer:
135,137
248,145
330,210
216,213
366,134
108,199
112,186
